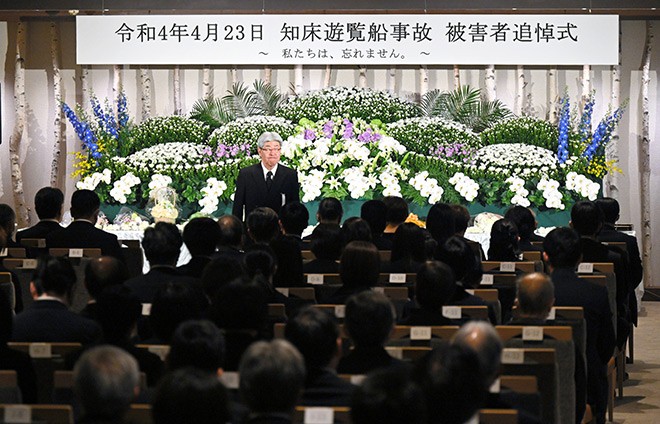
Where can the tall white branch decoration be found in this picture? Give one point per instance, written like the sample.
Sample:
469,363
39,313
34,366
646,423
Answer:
234,75
22,216
327,76
423,80
520,90
298,79
457,77
585,81
391,80
612,148
117,82
491,89
553,97
206,81
268,74
84,84
645,157
58,130
145,93
176,80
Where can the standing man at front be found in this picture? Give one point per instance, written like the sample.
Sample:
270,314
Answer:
268,183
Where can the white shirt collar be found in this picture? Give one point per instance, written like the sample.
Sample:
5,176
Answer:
265,171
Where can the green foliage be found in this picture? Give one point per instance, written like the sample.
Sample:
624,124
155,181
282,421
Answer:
424,135
526,130
168,129
247,130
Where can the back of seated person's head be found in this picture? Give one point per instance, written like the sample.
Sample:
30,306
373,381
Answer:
260,261
435,285
201,236
562,248
375,213
272,377
355,229
461,218
482,338
454,384
359,265
263,225
162,244
219,272
199,344
586,218
106,380
440,222
330,211
54,276
503,241
104,272
190,395
7,219
85,204
460,257
231,231
409,243
397,210
369,318
294,218
118,311
610,208
388,396
173,303
535,295
524,220
326,242
314,332
48,203
241,304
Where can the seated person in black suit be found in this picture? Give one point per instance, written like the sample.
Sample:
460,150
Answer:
315,334
100,273
433,288
49,319
355,229
219,272
562,252
201,236
11,359
375,213
359,269
8,224
408,249
18,290
326,245
441,223
231,237
388,397
369,322
294,218
82,233
48,204
461,222
198,344
174,303
526,223
162,245
106,381
191,395
397,213
272,380
504,242
262,226
330,212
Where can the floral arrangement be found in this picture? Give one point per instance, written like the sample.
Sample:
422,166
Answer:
246,131
523,130
168,129
428,134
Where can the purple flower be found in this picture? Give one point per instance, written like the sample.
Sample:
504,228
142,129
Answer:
348,129
328,129
311,134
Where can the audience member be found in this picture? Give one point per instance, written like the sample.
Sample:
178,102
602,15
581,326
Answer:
262,225
288,254
201,236
191,395
100,273
440,222
315,333
294,219
16,302
461,222
562,253
82,232
231,237
504,242
408,249
330,211
48,204
198,344
326,244
375,213
359,268
397,213
526,223
272,380
105,380
355,229
369,322
8,224
48,318
434,288
221,271
173,303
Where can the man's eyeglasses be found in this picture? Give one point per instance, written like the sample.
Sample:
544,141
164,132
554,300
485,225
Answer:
268,150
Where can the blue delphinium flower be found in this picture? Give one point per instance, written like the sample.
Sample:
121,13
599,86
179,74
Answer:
564,127
122,110
106,120
84,132
603,133
585,121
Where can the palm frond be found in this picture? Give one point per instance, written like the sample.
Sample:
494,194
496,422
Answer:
268,97
212,111
487,113
242,101
462,102
433,103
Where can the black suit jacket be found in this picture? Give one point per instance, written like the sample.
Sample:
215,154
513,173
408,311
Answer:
51,321
83,234
145,286
323,387
40,230
251,190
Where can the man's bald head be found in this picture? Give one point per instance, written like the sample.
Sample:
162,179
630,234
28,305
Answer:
104,272
482,338
535,296
231,231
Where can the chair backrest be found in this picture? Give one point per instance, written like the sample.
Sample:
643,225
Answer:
498,416
306,293
618,244
133,256
339,311
408,353
39,243
385,255
161,350
396,278
609,282
139,413
421,336
86,252
13,252
624,227
501,266
9,390
55,414
316,414
307,255
394,293
531,255
277,311
316,279
527,384
487,295
7,287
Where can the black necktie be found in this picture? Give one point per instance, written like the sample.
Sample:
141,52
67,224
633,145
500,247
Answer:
269,179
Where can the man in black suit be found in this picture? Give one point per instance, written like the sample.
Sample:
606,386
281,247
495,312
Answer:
201,237
230,242
267,183
49,319
562,252
48,204
82,233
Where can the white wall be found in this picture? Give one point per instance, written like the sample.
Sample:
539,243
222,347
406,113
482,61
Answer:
36,149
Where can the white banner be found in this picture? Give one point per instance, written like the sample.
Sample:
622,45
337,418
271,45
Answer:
348,39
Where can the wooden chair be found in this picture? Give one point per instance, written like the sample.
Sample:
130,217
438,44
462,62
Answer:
306,293
13,252
317,279
133,256
277,312
63,388
532,255
421,336
315,414
9,390
79,259
624,227
51,414
307,255
139,413
395,278
38,243
161,350
8,288
408,353
527,384
73,253
509,267
498,416
385,255
23,270
339,311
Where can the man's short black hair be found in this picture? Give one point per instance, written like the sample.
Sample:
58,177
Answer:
55,276
104,272
314,333
220,272
440,222
461,218
330,210
7,219
375,213
610,208
173,303
117,326
84,203
294,217
231,231
201,236
241,304
199,344
48,202
369,318
162,244
563,247
260,260
586,218
326,241
397,209
435,285
460,257
263,225
524,220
